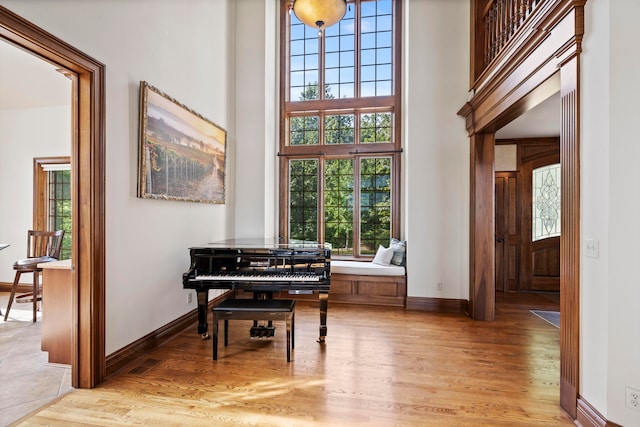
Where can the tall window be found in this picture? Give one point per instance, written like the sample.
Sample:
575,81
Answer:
340,135
52,189
60,207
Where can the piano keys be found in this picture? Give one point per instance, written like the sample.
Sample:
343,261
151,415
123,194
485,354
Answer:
262,267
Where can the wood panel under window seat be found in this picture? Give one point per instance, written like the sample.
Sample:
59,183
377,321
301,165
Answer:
360,282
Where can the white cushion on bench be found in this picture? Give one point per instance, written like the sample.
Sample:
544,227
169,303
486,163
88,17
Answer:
365,268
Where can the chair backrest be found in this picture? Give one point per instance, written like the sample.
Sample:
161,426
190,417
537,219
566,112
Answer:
44,243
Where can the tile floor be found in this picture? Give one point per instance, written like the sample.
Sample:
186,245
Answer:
27,380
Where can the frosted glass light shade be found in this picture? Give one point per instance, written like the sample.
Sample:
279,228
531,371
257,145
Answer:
320,13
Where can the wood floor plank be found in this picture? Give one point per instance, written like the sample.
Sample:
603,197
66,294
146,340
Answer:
378,367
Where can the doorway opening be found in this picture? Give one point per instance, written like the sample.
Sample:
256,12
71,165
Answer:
87,190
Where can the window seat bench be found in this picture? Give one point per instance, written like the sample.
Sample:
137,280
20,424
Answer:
361,282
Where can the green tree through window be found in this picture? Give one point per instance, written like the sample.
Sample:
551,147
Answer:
60,207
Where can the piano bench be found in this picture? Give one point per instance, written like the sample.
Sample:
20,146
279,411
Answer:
252,309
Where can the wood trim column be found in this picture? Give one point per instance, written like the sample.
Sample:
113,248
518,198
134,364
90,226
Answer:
482,228
570,238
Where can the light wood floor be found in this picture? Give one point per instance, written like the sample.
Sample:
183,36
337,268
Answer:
379,367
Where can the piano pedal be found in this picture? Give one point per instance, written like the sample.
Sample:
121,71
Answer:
262,331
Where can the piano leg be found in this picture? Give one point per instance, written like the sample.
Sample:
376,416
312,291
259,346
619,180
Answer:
324,300
203,304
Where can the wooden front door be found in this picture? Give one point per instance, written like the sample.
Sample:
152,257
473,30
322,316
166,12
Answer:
540,204
507,232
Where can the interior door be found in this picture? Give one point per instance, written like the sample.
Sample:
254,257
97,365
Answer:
507,232
540,190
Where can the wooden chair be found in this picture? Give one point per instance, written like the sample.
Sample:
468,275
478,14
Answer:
42,246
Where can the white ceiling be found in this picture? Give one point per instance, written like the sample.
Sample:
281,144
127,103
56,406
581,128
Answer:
541,121
28,82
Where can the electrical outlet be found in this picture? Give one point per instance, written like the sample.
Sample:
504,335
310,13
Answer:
189,297
439,286
633,398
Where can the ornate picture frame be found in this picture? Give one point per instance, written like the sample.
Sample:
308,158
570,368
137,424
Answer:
181,155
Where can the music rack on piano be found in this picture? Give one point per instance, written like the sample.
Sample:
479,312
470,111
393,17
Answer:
261,267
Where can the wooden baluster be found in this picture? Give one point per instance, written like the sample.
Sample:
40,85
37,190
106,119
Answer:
499,28
496,31
514,16
490,34
487,40
521,11
505,23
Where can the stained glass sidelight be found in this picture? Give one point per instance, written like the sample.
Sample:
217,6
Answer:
546,202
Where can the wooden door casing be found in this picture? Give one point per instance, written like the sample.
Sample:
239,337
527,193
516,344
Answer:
506,89
88,367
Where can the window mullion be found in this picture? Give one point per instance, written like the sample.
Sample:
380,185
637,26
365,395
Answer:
356,206
321,66
321,199
356,50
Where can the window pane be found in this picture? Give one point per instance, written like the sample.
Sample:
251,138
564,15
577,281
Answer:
368,41
332,76
368,56
303,130
368,8
375,128
376,41
338,129
340,57
383,56
297,31
347,90
297,78
546,202
375,203
338,205
384,23
303,72
383,88
303,200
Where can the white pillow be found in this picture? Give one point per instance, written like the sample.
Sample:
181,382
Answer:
383,256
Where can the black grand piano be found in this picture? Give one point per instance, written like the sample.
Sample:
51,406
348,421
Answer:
262,267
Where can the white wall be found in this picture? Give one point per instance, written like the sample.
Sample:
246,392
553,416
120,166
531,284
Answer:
610,287
256,114
624,203
26,133
594,209
436,148
182,49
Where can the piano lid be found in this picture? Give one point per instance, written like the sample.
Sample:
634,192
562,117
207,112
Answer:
266,243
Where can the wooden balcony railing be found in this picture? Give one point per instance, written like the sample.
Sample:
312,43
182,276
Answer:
501,19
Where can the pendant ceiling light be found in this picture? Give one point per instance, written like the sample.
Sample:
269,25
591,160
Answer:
319,14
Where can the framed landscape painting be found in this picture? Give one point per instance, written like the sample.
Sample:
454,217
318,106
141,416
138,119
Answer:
182,155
